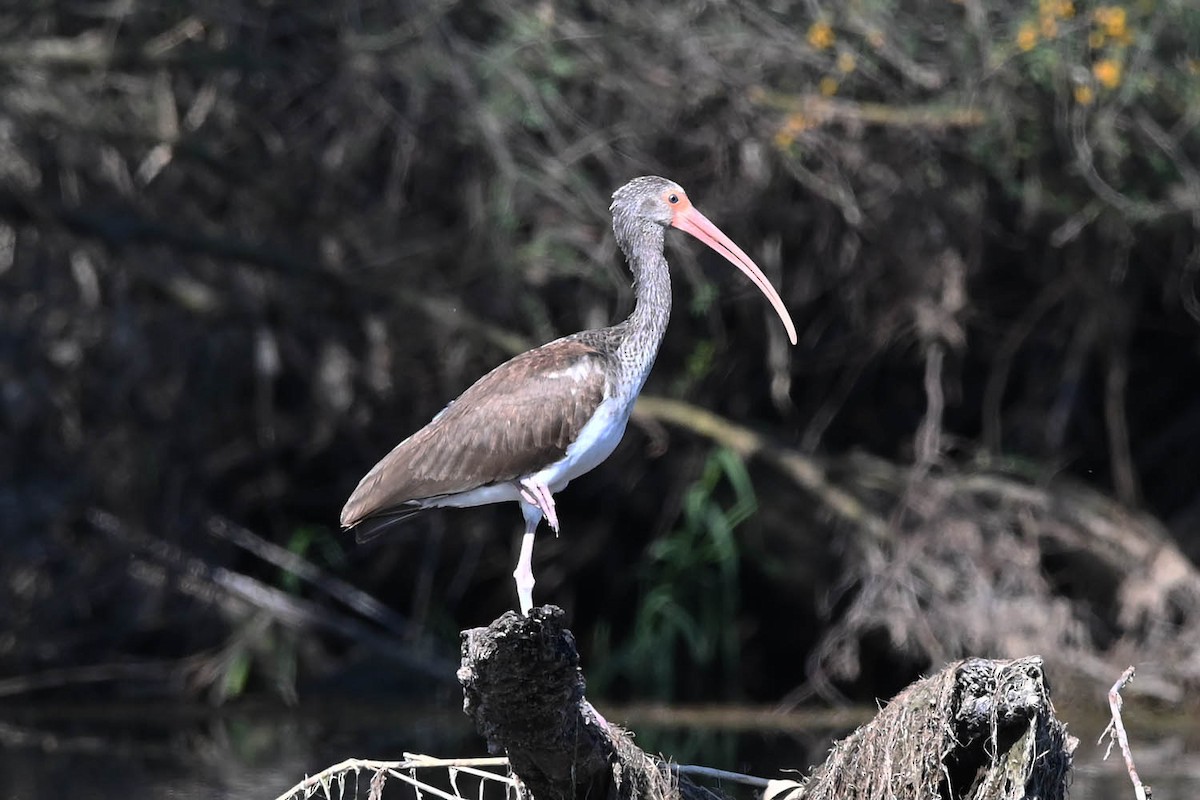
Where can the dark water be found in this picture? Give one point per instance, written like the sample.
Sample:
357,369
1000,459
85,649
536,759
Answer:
159,751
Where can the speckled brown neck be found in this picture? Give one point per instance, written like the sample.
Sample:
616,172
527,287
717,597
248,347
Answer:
636,340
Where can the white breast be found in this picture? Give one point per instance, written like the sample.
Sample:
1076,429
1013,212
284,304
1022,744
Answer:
596,441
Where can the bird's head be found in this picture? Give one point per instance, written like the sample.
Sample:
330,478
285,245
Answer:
649,199
645,206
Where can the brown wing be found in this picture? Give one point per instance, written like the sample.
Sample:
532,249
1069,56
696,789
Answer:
515,420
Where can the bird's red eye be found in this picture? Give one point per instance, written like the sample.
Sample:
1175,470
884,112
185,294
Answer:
672,198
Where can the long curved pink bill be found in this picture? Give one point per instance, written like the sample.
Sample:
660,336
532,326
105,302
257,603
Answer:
698,225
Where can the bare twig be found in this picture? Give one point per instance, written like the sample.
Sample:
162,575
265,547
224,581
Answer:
935,117
928,444
1085,163
1116,376
89,49
1075,362
1014,338
836,398
91,673
203,579
326,777
923,74
1116,730
694,771
285,559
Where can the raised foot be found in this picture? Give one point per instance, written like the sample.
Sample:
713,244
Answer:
538,495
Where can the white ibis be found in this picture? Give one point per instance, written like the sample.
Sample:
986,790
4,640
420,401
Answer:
536,422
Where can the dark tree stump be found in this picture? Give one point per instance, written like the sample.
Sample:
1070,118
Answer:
523,688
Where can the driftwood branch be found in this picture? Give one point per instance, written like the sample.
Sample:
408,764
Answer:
325,781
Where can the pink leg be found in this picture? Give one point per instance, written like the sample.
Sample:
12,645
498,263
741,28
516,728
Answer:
538,495
536,502
523,574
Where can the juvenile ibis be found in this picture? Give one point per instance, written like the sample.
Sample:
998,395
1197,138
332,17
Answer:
526,429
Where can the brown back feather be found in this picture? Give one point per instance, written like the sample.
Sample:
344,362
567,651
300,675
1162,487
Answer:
517,419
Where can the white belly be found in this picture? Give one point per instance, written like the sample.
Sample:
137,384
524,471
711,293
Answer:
596,441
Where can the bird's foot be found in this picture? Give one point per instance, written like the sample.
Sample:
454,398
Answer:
538,495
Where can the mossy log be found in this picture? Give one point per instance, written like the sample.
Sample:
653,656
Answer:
977,730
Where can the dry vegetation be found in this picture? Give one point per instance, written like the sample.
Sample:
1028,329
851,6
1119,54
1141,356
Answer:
244,246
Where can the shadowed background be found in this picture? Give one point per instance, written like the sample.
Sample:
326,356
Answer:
246,247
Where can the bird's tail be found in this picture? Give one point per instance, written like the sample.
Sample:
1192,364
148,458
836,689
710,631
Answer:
373,527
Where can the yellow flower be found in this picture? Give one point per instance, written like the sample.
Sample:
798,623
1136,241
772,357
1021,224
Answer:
1026,37
1049,27
1107,72
846,62
820,35
1084,95
1096,40
796,122
1112,20
828,86
1063,9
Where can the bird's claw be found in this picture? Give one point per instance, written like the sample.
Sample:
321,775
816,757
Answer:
538,495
